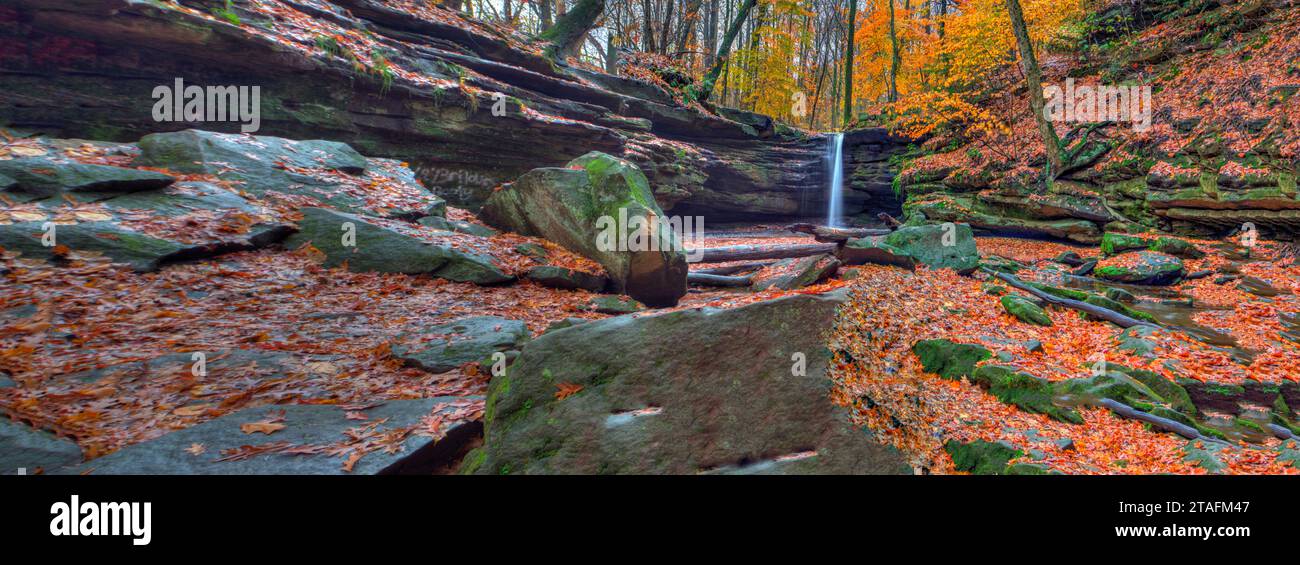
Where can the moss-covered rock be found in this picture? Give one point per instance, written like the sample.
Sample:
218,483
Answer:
616,305
1025,310
981,457
1029,393
600,207
1120,295
948,359
1115,306
1116,243
1176,247
1144,267
658,397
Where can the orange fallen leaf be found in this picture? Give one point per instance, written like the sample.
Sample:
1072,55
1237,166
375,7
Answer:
192,410
566,390
267,428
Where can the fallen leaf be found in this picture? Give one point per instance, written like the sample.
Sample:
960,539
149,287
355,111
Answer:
566,390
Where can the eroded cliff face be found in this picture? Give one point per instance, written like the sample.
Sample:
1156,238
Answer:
1219,154
467,106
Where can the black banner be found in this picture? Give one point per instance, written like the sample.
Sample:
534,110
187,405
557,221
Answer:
311,514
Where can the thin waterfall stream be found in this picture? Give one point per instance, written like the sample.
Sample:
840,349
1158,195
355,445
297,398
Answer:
835,204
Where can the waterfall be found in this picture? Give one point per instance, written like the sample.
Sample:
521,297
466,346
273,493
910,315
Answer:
835,206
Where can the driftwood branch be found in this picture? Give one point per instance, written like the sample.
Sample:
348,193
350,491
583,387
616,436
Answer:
1107,314
705,279
1126,411
753,252
829,234
733,269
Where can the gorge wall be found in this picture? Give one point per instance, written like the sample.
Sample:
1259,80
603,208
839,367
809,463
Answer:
402,80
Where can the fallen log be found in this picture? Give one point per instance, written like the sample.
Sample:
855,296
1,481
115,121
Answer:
752,252
1097,311
705,279
890,221
733,269
829,234
1126,411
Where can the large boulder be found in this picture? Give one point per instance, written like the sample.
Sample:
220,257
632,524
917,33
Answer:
938,246
313,440
384,246
686,392
600,207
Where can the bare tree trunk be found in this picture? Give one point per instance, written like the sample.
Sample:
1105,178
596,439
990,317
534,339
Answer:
706,84
647,31
1034,78
686,23
666,27
711,33
611,54
895,60
567,33
848,63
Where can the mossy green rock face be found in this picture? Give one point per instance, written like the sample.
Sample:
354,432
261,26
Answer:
981,457
1177,247
938,246
1120,295
1002,265
46,177
1027,392
384,250
600,207
1149,268
445,347
1112,305
1024,310
1116,243
948,359
1137,340
1058,291
565,278
702,390
861,250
